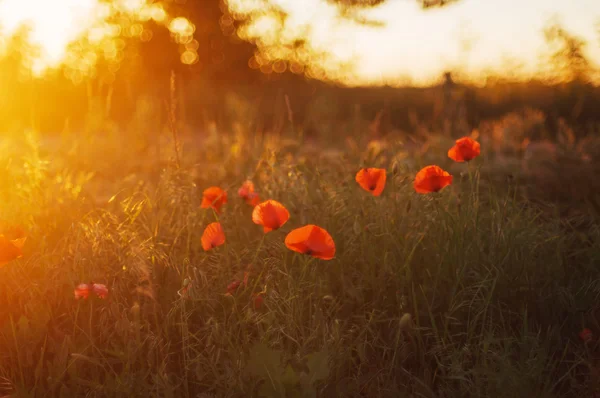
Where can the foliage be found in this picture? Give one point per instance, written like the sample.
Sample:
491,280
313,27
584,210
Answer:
476,290
568,54
283,380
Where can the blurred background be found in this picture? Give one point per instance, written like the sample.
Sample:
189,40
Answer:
306,66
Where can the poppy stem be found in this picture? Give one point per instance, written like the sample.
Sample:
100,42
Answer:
258,249
305,262
253,263
470,173
90,319
437,201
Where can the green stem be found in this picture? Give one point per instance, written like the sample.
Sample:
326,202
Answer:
252,264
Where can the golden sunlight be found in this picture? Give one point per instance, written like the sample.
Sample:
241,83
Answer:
74,33
408,45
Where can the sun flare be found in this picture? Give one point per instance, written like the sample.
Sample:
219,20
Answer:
409,45
75,33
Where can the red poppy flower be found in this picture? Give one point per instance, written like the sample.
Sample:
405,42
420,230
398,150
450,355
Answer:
271,215
372,180
14,233
12,240
311,240
247,193
232,287
586,335
100,290
258,300
82,291
431,179
9,251
213,197
464,150
212,236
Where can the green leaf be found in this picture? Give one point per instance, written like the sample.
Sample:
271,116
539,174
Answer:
289,377
318,366
265,364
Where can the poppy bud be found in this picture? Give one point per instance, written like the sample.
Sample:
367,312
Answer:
586,335
405,322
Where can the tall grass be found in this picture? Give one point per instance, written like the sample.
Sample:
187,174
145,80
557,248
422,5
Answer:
471,292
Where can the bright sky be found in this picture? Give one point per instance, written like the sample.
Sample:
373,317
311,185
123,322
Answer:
414,46
421,45
55,25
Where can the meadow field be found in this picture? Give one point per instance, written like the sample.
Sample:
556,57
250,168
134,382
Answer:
487,288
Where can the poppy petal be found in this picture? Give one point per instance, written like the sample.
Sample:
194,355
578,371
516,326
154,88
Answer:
321,244
297,239
213,197
212,236
431,179
100,290
247,193
257,301
232,287
585,335
246,188
9,251
372,180
82,291
253,199
271,215
464,150
311,240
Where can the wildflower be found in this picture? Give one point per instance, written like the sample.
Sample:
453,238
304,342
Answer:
431,179
372,180
464,150
82,291
271,215
232,287
213,197
12,240
100,290
586,335
247,193
212,236
311,240
258,300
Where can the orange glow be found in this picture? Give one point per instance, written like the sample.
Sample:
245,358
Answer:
182,27
408,45
74,33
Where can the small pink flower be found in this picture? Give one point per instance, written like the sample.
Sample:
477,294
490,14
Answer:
100,290
82,291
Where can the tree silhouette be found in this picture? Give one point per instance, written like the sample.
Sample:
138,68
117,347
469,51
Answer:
435,3
371,3
568,53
